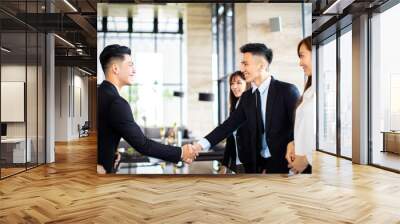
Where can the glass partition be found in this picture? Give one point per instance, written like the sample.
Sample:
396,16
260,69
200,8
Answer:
22,87
327,96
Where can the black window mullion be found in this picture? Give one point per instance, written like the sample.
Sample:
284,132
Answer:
317,94
369,83
338,98
26,87
37,91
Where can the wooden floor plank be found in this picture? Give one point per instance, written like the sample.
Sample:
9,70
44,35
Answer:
70,191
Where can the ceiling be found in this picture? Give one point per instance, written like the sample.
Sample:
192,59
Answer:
329,16
74,21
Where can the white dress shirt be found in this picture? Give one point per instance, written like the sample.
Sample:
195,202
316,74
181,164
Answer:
263,89
304,126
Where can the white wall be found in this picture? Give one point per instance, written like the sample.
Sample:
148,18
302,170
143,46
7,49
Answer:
33,126
14,73
70,83
252,25
199,67
80,83
61,103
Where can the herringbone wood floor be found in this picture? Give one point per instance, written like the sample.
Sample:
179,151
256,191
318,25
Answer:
70,191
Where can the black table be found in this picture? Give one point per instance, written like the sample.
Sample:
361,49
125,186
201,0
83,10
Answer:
136,163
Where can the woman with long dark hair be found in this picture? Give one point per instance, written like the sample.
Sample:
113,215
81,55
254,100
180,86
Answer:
299,151
231,159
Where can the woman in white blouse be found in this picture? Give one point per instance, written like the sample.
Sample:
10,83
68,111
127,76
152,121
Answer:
299,152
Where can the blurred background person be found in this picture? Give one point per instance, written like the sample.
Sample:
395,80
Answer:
231,158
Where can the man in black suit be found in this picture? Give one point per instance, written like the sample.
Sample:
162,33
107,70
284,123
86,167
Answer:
267,110
115,118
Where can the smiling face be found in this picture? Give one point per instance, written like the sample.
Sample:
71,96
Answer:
124,70
252,66
305,59
238,86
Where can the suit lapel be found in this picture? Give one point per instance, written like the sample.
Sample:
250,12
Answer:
270,102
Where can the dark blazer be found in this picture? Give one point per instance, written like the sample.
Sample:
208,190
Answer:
229,159
281,104
115,121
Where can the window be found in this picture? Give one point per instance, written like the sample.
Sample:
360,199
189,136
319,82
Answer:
346,93
117,23
22,75
224,45
168,20
327,96
143,21
385,88
157,60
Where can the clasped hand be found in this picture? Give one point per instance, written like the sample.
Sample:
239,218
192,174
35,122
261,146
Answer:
190,152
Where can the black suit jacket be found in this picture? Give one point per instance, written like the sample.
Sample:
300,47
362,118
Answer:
281,104
115,120
229,159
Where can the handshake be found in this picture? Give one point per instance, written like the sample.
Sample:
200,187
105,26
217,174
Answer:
190,152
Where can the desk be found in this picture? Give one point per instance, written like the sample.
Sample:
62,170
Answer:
136,163
391,141
13,150
162,167
124,144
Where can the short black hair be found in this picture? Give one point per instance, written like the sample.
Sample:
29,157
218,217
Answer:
113,51
258,49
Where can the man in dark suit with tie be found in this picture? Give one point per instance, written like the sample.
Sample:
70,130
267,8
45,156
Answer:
115,118
267,109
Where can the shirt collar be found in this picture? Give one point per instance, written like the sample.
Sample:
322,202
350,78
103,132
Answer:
263,87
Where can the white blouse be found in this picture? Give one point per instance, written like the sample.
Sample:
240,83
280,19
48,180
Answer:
304,127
